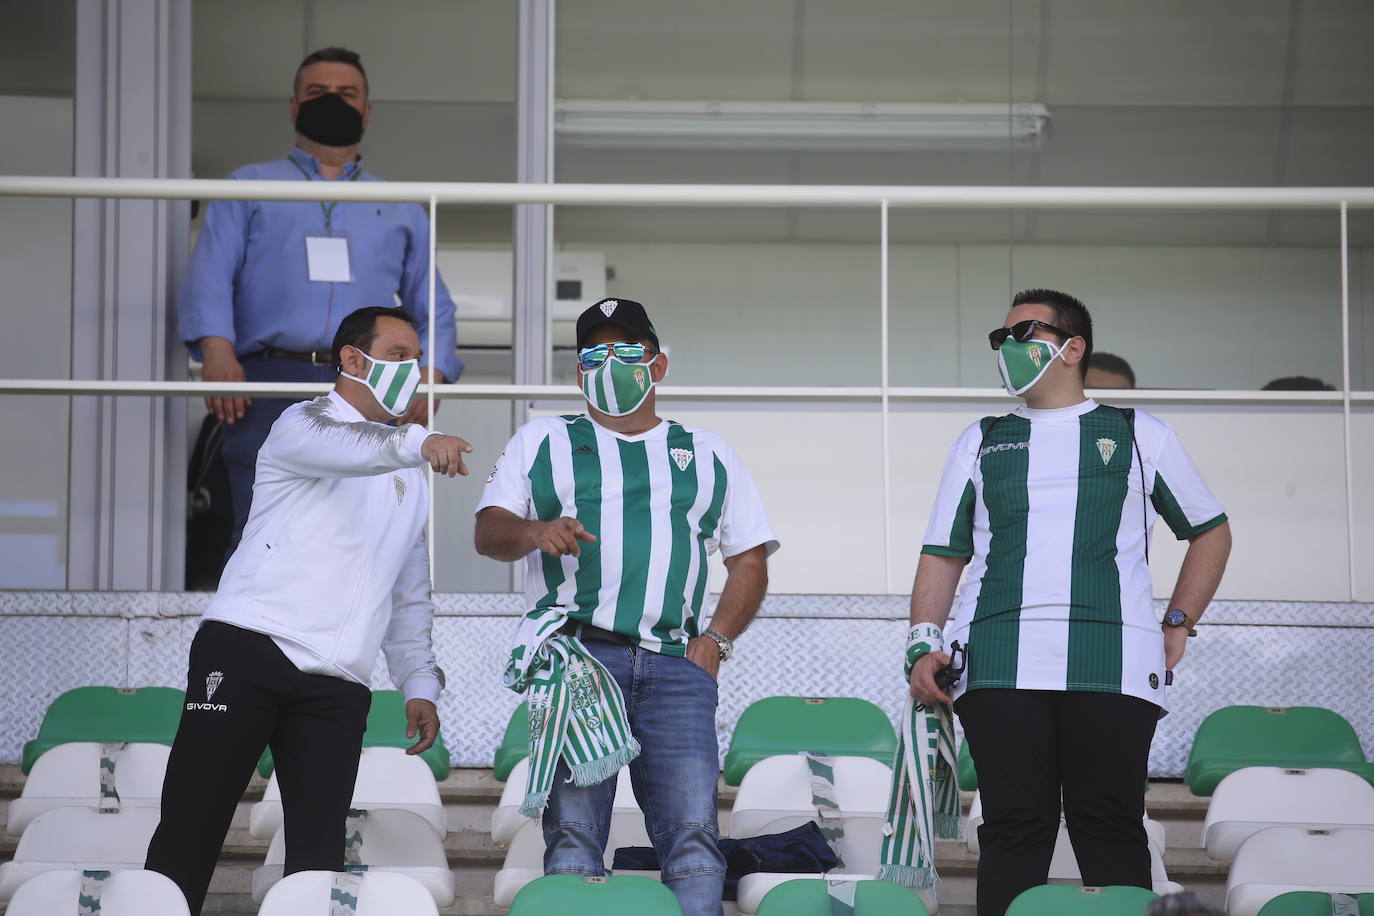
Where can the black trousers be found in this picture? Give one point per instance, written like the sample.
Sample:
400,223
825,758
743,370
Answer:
1031,746
243,694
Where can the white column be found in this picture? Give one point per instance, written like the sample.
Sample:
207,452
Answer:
533,222
127,513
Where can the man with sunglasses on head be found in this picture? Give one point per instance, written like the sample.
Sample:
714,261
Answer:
1050,508
614,512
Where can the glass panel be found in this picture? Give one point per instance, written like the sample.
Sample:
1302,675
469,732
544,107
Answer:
37,74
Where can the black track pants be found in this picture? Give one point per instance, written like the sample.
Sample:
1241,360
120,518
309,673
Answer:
243,694
1031,745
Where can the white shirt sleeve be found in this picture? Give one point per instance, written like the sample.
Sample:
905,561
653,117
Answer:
307,442
950,530
508,486
408,643
743,521
1177,489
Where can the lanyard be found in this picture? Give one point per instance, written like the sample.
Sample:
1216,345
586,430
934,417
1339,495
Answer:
328,208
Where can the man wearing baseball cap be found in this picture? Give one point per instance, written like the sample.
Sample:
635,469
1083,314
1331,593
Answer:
614,512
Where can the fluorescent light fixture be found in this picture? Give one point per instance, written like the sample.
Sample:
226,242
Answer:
798,126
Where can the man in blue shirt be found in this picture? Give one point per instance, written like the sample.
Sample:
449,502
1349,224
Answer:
269,281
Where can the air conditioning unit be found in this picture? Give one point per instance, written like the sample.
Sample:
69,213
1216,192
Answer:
481,281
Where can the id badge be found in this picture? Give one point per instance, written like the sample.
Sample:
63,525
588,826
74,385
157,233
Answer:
326,257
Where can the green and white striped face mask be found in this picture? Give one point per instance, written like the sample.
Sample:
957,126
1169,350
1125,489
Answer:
616,388
393,384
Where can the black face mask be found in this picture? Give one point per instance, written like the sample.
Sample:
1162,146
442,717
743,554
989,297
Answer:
329,120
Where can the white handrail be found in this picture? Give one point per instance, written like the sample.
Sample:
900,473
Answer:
741,195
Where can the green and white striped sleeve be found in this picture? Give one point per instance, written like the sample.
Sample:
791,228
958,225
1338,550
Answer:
950,531
1177,490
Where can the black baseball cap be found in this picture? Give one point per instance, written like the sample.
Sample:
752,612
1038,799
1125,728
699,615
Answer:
624,313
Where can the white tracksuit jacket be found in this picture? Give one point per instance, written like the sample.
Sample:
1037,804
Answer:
333,562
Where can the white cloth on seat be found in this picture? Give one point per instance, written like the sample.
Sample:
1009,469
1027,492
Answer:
1253,798
381,893
79,838
133,892
1277,860
69,776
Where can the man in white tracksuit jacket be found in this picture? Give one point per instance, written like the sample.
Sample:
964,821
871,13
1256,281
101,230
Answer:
333,564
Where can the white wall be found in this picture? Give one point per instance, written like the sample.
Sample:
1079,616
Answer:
35,302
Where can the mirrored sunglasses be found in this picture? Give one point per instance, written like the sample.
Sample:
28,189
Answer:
626,352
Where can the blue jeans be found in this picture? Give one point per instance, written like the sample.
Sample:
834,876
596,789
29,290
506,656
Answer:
671,703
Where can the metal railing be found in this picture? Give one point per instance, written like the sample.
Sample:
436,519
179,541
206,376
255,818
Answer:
882,198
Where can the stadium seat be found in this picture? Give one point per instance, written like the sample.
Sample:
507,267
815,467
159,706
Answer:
836,726
507,820
1294,737
107,715
1277,860
810,897
515,744
399,842
1254,798
388,778
964,771
378,893
1154,830
574,895
79,838
1060,900
134,892
386,727
525,858
69,775
1312,903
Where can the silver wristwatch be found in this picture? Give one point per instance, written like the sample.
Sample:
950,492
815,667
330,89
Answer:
726,644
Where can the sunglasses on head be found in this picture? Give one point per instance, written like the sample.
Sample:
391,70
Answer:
1023,331
625,351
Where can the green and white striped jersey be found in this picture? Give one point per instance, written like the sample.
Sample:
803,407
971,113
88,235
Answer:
659,503
1048,505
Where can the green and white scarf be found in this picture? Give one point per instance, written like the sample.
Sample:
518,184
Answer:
576,709
924,801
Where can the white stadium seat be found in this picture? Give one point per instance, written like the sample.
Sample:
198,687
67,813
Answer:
388,778
1277,860
380,893
124,893
69,776
525,858
392,841
1253,798
79,838
775,796
507,821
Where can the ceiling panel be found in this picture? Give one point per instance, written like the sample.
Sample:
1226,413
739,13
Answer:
1168,52
1160,146
428,50
898,51
663,49
1331,146
234,57
1334,63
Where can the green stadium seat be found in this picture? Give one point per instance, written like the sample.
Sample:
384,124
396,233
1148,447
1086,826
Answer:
386,727
837,726
964,771
515,745
1067,900
1311,903
575,895
808,897
1295,737
108,715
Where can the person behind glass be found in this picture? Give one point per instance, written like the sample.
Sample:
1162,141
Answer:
1107,370
269,281
1050,508
614,512
333,565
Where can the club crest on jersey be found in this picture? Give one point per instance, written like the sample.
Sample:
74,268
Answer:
212,683
681,457
1106,448
608,307
1035,355
400,488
